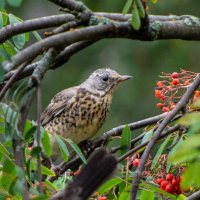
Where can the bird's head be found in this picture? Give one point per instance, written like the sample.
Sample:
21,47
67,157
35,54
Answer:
105,80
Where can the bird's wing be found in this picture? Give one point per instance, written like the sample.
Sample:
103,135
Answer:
57,104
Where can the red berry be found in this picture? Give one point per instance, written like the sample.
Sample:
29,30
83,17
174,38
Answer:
102,198
162,97
159,180
175,81
136,162
164,184
169,188
174,182
159,83
175,75
157,93
169,177
159,105
186,83
165,109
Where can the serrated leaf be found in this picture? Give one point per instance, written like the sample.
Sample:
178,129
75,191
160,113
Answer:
147,195
63,148
140,8
46,143
135,17
19,40
127,6
125,140
14,3
160,151
108,185
77,150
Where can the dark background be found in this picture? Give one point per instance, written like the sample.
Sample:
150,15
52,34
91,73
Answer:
134,100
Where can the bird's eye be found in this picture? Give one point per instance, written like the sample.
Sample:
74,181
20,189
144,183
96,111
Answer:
105,78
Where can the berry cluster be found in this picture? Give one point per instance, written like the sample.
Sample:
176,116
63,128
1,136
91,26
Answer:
173,86
170,184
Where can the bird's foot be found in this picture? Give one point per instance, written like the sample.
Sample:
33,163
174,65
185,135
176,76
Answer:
87,147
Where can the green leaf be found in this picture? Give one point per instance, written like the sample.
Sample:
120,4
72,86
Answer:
125,194
5,17
36,151
10,49
77,150
147,136
186,151
45,170
135,18
160,151
62,147
147,195
14,3
190,119
37,35
190,177
46,143
109,185
125,140
19,40
51,185
27,36
181,197
1,20
127,6
140,8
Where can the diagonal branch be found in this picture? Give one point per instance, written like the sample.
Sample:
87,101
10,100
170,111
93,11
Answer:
33,24
180,105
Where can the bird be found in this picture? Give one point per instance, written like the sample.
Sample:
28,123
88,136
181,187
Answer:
79,112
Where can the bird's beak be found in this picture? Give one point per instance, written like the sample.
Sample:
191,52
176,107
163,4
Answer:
122,78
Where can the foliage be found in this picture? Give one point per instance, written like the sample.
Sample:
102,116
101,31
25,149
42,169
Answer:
175,154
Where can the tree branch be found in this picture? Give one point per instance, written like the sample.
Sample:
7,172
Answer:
180,105
194,196
34,24
183,27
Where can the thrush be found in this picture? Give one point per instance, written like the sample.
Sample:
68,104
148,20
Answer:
79,112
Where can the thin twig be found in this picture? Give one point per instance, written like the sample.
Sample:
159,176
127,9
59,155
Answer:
180,105
39,109
17,138
12,79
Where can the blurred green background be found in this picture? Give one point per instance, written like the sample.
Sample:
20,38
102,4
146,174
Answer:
134,99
